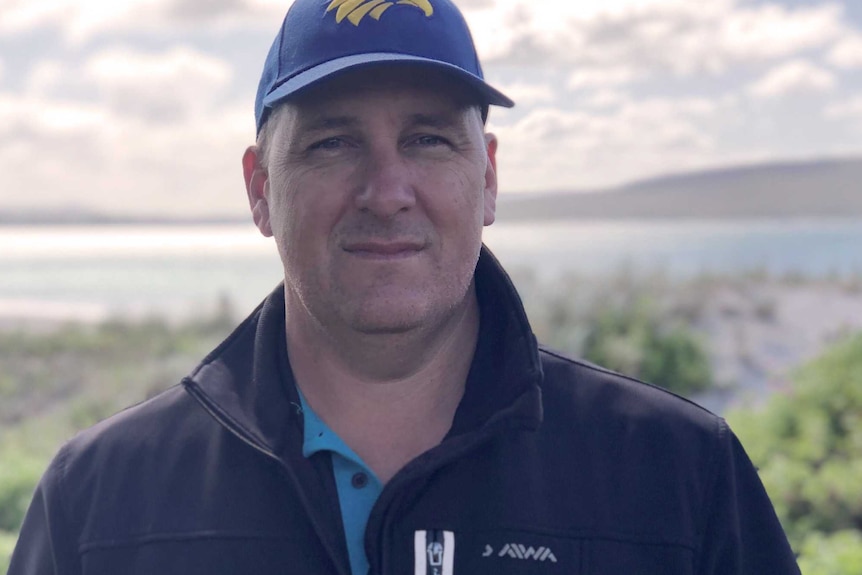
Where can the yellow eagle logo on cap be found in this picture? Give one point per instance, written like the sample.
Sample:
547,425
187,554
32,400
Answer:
355,10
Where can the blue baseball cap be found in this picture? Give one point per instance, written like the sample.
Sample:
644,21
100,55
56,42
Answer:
319,38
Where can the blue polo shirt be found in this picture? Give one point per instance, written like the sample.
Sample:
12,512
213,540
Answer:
358,487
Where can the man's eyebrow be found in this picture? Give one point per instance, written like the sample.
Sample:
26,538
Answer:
320,123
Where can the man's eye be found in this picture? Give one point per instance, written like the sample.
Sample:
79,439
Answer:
429,140
328,144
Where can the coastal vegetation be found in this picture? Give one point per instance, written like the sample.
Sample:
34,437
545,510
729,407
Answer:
644,327
806,437
55,382
807,444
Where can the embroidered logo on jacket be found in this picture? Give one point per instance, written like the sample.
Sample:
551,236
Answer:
518,551
356,10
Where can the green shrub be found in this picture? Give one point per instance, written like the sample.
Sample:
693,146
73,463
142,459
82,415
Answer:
634,338
19,475
838,553
808,446
642,325
7,544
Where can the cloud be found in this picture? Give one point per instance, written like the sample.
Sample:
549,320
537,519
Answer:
849,109
29,116
160,87
123,128
554,148
847,53
679,36
773,31
474,4
156,131
62,137
526,94
606,77
198,10
79,21
106,160
652,36
796,76
607,99
47,75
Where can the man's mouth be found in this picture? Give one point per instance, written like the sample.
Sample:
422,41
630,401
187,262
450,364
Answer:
384,249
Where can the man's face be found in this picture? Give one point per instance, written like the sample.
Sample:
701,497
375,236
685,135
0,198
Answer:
379,183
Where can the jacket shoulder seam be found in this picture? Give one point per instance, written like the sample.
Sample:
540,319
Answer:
709,502
62,470
603,370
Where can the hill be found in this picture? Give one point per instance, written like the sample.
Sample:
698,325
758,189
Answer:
813,189
825,188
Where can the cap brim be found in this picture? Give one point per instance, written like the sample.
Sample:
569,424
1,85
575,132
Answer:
323,71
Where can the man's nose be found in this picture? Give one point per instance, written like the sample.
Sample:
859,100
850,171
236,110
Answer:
388,185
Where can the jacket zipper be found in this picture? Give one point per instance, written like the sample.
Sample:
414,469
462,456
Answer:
474,441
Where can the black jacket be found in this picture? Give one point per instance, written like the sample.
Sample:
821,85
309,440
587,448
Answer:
551,466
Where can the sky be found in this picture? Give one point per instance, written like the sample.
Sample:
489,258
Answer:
144,107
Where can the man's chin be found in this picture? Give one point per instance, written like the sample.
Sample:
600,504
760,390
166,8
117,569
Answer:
388,317
399,310
391,324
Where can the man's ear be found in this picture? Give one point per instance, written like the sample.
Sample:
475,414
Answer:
491,179
256,179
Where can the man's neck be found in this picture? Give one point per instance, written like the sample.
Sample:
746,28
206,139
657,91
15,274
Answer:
389,397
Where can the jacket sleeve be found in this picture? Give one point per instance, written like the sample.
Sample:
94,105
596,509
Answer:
45,545
742,535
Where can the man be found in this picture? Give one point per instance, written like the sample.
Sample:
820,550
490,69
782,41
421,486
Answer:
387,409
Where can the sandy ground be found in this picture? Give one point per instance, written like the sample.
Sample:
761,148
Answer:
759,333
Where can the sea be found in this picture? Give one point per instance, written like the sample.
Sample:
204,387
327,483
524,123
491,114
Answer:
91,273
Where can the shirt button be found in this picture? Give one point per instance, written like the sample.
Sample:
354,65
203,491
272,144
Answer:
359,480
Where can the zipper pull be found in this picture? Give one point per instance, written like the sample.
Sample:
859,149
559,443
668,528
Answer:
434,552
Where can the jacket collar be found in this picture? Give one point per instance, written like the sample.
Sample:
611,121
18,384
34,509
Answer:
504,380
247,384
